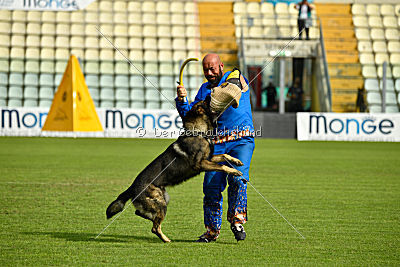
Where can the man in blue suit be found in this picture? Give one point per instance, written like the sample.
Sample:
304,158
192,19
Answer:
235,136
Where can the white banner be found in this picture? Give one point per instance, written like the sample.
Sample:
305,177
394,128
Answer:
348,127
45,5
115,122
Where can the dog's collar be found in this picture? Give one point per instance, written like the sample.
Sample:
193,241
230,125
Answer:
188,133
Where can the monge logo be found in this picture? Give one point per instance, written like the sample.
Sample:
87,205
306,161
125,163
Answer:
60,4
349,126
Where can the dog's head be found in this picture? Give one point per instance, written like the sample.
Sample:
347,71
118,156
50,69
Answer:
200,117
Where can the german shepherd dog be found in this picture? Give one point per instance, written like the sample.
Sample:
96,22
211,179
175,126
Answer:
189,155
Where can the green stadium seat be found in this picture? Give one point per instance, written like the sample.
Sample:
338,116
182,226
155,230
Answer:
389,85
392,109
43,103
165,105
106,94
15,92
106,104
46,93
32,66
31,79
136,81
122,104
92,67
168,94
122,81
106,81
3,78
137,105
137,95
3,92
152,105
94,93
106,68
122,94
167,82
152,94
30,103
31,92
15,79
17,65
122,67
14,103
3,103
371,85
57,79
92,80
46,80
374,98
375,108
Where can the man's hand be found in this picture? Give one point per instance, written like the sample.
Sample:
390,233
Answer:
181,92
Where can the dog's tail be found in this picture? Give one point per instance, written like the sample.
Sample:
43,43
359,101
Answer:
118,205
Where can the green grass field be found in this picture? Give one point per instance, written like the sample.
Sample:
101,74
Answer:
343,197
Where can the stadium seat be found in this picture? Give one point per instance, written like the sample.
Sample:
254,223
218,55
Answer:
377,34
163,31
107,54
137,105
120,18
47,53
397,10
62,42
191,19
31,79
358,9
135,18
121,30
47,66
369,71
92,67
167,82
106,104
136,81
394,47
364,46
177,19
147,6
150,43
122,81
17,52
14,103
17,65
3,92
391,98
149,31
107,94
57,79
65,17
387,10
15,92
30,103
166,68
380,58
389,85
164,43
151,68
373,9
106,81
379,47
20,28
137,95
48,29
19,15
44,103
4,66
121,42
46,79
91,17
366,58
152,105
94,94
396,72
176,7
61,65
360,21
17,40
392,109
388,72
151,81
3,78
31,92
4,52
46,93
374,98
281,8
375,22
32,66
395,59
80,29
122,104
178,32
362,34
135,43
397,86
121,67
391,34
190,7
5,40
32,53
371,85
390,22
90,54
3,102
165,105
150,55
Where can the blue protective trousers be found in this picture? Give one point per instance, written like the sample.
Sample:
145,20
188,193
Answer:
215,183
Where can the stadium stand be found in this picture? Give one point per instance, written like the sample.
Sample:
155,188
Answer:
155,35
378,38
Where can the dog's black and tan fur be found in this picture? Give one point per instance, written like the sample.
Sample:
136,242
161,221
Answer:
190,154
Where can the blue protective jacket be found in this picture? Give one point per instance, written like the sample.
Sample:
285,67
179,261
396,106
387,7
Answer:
232,120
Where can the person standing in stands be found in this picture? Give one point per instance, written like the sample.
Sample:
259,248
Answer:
295,95
271,95
235,136
304,20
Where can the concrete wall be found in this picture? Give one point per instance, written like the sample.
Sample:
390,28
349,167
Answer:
275,125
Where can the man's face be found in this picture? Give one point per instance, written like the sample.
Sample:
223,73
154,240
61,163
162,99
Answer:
212,72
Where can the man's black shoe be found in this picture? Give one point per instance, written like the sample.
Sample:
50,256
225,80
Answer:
238,231
204,239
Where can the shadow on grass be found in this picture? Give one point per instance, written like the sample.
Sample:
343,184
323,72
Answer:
105,238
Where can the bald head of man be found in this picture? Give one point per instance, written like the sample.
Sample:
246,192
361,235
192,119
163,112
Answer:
213,68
